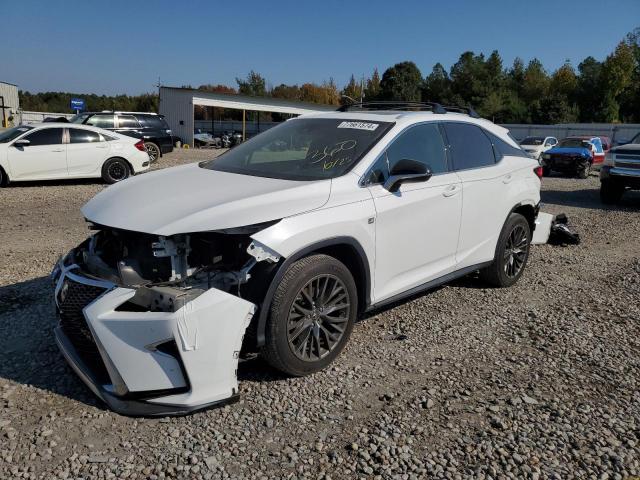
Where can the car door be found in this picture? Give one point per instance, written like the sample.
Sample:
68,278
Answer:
417,226
45,157
598,152
484,191
86,152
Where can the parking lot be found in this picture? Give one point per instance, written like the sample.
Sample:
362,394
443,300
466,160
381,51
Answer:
538,380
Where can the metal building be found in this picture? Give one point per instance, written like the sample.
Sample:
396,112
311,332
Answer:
177,106
9,103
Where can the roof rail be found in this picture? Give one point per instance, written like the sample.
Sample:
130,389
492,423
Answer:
468,110
401,105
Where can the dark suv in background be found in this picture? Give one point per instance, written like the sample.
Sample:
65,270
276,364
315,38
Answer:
150,127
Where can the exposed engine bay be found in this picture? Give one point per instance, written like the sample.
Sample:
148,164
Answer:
168,272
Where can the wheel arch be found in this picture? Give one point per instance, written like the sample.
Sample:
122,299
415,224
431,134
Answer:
131,171
345,249
528,211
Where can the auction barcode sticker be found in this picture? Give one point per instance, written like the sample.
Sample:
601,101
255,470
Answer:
359,125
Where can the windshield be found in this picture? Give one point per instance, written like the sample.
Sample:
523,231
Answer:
79,118
13,133
574,143
532,141
303,149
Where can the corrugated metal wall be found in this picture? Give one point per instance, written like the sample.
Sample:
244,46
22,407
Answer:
617,132
37,117
177,108
10,94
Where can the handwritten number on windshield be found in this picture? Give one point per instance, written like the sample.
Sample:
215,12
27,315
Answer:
331,155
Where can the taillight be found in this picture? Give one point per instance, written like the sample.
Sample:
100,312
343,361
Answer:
140,146
538,171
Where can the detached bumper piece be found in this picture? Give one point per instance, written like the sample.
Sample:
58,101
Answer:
149,363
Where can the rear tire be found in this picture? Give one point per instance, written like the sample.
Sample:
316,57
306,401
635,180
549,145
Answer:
115,170
153,151
311,316
512,253
611,192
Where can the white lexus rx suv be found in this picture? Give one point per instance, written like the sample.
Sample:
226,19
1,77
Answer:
280,243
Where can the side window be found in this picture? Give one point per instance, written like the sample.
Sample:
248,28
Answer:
502,148
154,121
469,146
127,121
101,121
77,135
422,143
46,136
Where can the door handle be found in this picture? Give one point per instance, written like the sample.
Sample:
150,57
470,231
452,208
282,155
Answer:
57,151
451,190
507,178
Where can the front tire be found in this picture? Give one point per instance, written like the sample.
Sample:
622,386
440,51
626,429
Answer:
153,151
4,179
611,192
512,253
115,170
584,169
311,316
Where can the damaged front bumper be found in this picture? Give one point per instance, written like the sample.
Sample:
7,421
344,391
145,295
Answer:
150,363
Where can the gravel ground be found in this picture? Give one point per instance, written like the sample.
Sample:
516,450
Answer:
537,381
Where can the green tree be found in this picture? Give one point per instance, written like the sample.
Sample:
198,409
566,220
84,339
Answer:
372,90
589,94
618,71
437,85
352,90
254,85
402,82
469,79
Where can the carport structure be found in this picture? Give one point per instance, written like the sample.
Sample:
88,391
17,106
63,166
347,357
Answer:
177,106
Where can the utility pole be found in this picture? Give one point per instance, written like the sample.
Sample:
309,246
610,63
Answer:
158,85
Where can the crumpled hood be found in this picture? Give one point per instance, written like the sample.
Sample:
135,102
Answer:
585,152
192,199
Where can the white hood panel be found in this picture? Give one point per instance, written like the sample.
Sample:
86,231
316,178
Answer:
192,199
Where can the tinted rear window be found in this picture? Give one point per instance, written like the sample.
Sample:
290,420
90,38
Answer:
153,121
469,146
83,136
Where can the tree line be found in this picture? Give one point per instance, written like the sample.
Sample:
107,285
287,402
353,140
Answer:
595,91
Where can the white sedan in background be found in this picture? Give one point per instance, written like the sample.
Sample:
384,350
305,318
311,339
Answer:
53,151
536,146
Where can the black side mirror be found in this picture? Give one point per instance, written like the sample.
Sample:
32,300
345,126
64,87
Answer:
407,170
21,143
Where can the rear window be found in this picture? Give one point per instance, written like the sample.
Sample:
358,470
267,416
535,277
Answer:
101,121
77,135
535,141
127,121
470,147
154,121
